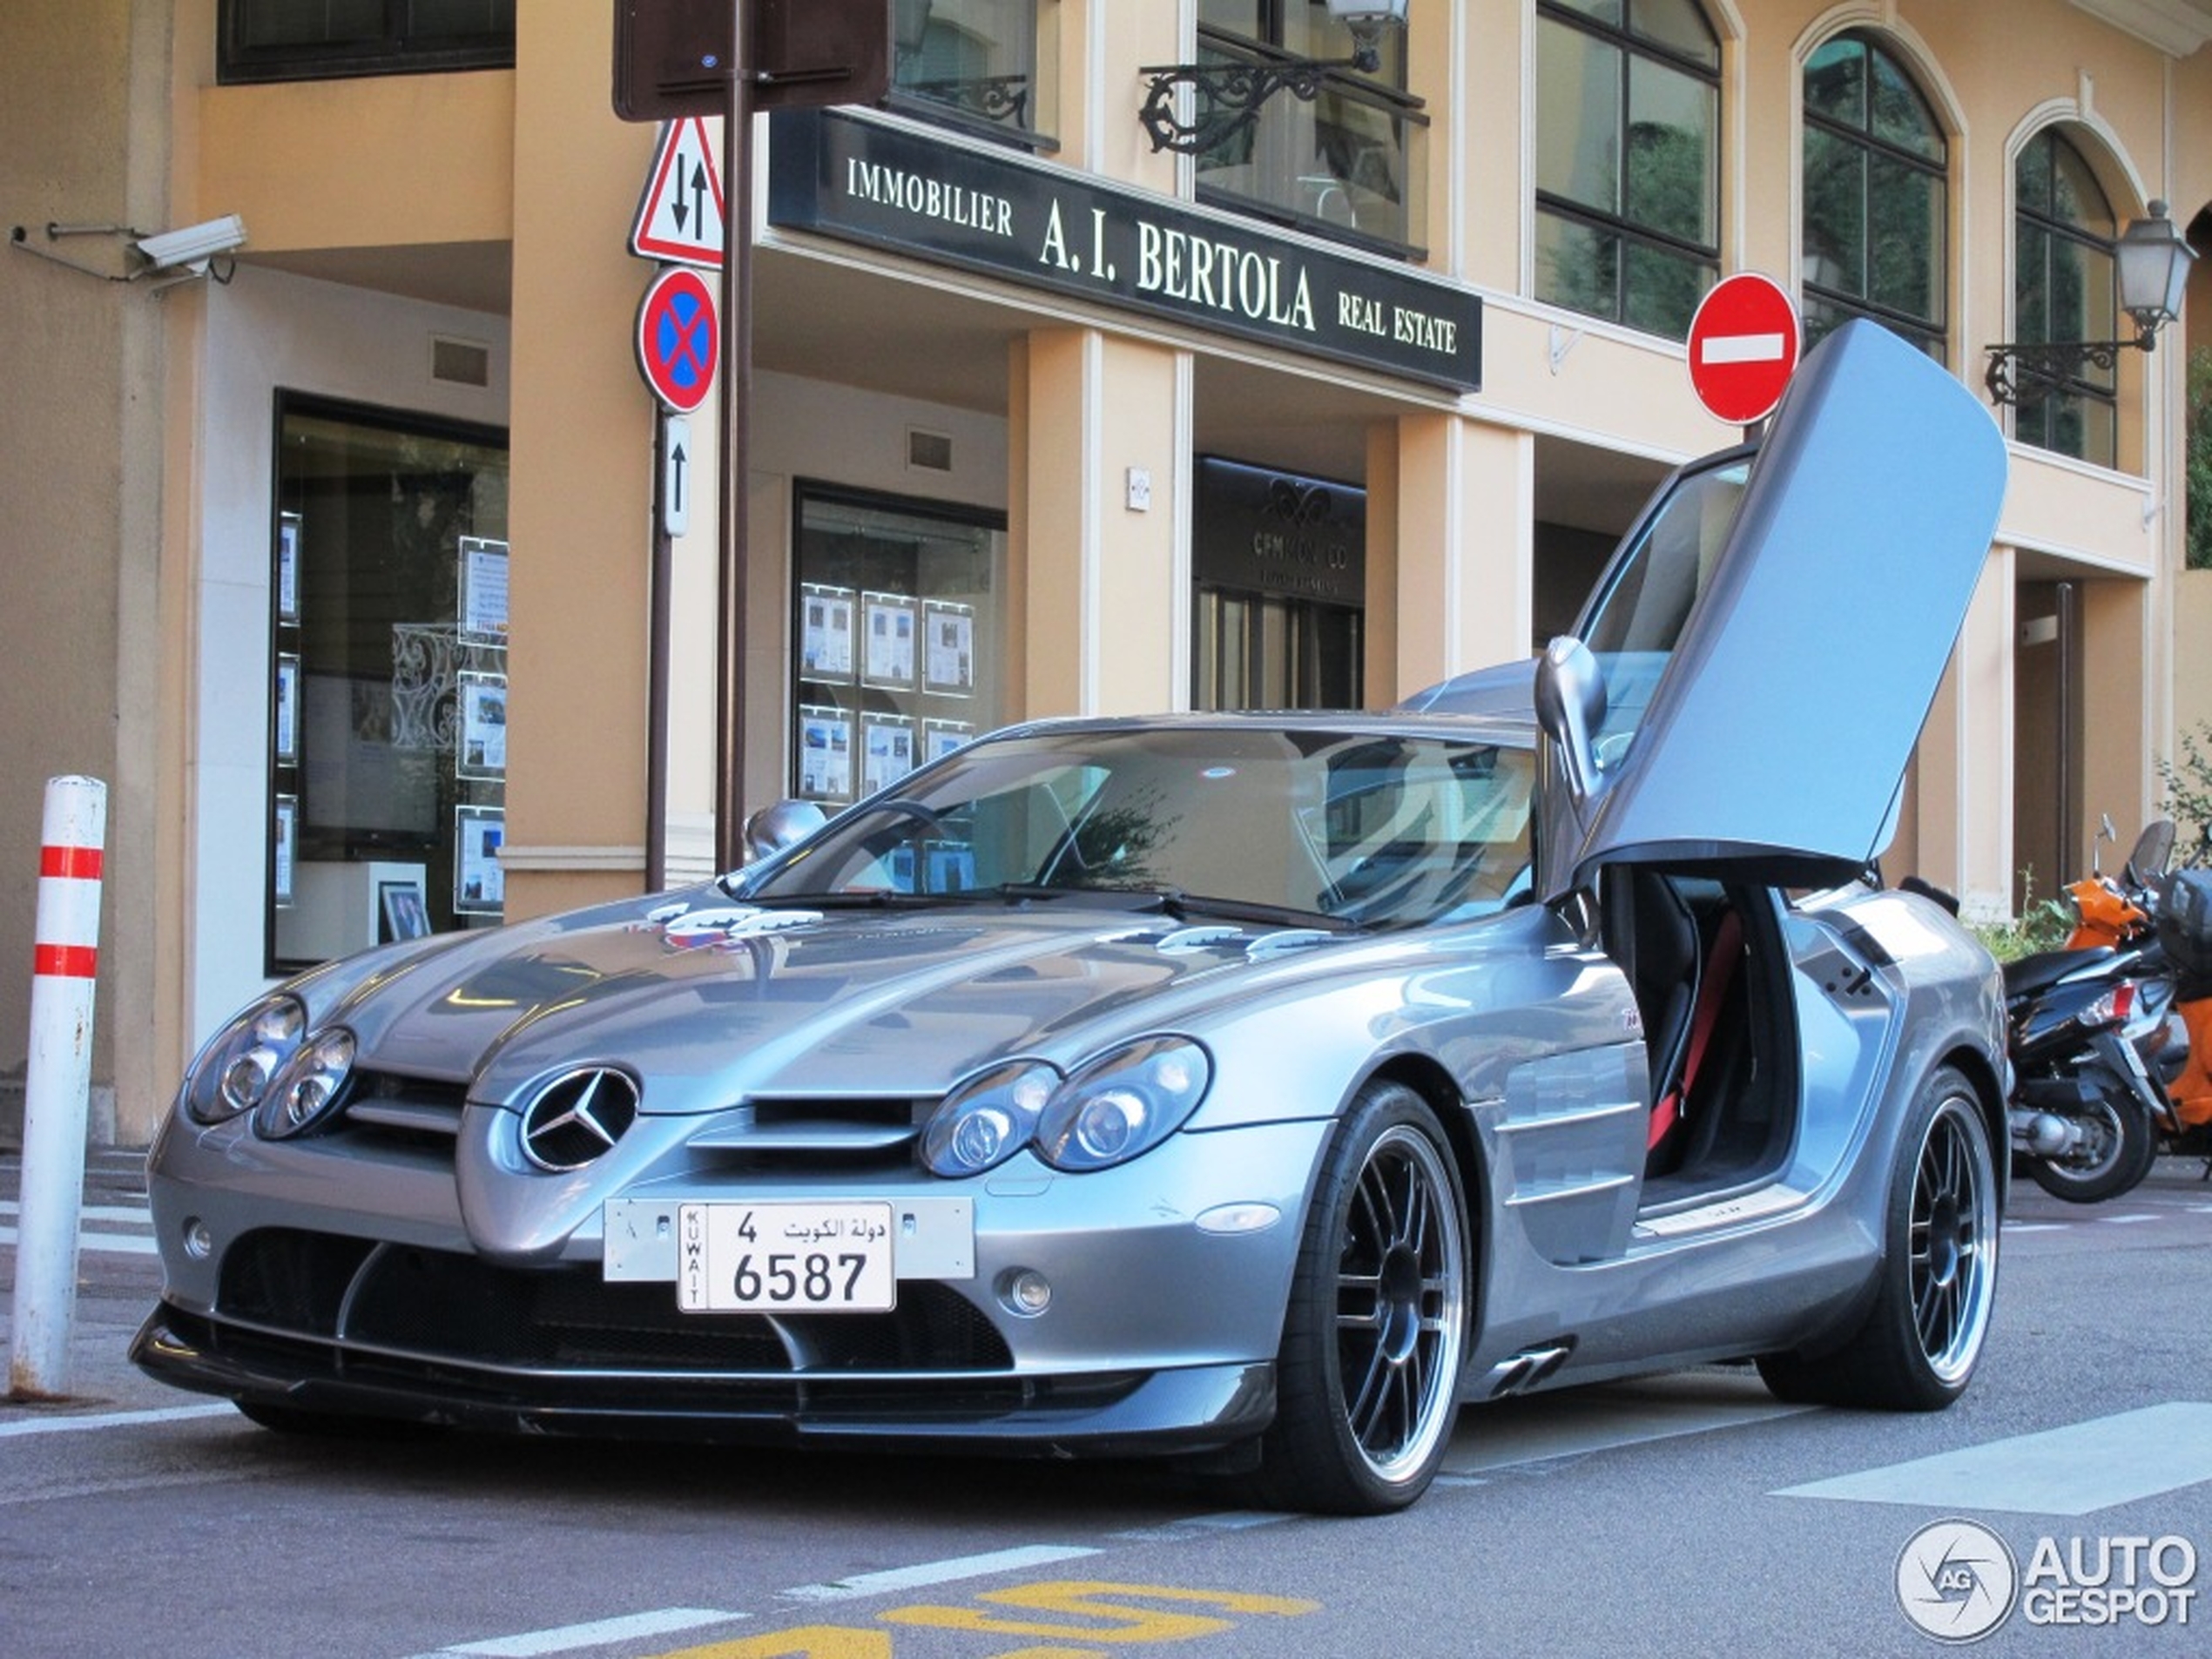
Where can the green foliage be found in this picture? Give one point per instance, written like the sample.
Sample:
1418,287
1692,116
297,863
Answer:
2042,924
2198,467
2188,787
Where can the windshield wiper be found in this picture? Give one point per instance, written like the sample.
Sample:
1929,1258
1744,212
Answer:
1175,903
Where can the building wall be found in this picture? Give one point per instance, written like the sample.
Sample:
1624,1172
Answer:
134,446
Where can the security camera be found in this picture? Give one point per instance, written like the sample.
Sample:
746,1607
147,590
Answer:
195,245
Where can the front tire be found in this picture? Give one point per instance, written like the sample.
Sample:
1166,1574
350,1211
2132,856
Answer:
1917,1345
1375,1332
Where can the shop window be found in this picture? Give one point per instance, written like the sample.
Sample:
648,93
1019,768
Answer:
1350,164
898,631
1876,196
978,64
387,727
1280,563
288,40
1627,159
2064,289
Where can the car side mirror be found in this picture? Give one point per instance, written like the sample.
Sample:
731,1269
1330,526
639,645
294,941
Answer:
773,828
1569,695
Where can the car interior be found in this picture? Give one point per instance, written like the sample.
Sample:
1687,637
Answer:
1707,966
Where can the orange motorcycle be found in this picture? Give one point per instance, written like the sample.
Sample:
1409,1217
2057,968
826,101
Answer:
2166,917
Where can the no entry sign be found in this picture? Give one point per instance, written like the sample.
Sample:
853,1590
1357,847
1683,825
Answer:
1743,347
679,338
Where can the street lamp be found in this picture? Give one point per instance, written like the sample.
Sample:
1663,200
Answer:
2153,269
1226,97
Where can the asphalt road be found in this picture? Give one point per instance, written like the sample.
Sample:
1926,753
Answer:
1688,1515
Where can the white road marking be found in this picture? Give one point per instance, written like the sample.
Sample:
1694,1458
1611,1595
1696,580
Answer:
944,1572
2011,1227
116,1244
596,1634
1176,1532
125,1213
1740,348
1545,1427
2126,1221
111,1420
2074,1471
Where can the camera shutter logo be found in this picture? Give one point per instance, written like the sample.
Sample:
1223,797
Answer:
1957,1581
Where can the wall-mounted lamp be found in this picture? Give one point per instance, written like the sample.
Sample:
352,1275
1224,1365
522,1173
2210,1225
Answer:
1226,97
177,256
2153,269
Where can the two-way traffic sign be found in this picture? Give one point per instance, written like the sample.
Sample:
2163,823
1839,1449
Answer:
681,215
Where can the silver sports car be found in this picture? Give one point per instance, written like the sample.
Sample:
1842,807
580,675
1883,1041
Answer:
1255,1090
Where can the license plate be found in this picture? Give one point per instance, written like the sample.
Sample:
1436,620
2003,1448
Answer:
784,1259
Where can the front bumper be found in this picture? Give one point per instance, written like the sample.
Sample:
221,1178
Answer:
1104,1413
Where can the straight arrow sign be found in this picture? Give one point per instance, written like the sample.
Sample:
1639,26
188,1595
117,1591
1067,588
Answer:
676,475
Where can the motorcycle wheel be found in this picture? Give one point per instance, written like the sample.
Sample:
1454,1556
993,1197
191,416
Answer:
2118,1151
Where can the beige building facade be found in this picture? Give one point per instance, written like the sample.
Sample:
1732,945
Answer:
1044,420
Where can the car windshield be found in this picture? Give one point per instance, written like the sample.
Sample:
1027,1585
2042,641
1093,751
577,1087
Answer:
1354,829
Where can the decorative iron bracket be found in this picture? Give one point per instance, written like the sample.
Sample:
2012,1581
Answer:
1226,97
2017,370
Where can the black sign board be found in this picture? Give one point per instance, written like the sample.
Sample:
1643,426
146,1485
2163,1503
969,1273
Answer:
672,58
1031,222
1260,530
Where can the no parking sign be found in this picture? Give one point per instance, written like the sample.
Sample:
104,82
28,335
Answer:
679,338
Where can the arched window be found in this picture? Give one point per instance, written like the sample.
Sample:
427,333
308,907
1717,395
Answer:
1876,196
2063,290
1627,159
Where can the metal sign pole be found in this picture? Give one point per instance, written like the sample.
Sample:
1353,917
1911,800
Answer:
735,407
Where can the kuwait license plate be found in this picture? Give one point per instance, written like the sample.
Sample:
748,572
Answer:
784,1259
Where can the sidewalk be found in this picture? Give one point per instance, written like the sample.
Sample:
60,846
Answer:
118,1278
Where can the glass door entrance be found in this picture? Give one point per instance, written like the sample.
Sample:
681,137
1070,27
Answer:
1259,651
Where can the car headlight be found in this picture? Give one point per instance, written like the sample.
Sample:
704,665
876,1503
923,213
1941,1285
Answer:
233,1073
1123,1104
987,1120
310,1086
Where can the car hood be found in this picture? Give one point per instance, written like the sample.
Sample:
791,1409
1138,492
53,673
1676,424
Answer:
699,995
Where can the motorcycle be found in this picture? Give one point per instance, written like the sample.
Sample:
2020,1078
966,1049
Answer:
2095,1038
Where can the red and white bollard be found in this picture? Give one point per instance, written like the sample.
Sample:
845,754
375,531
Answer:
58,1083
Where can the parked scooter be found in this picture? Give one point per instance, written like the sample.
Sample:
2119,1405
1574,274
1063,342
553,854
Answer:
2094,1036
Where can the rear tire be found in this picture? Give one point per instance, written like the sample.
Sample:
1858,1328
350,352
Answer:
1375,1332
1917,1345
2122,1147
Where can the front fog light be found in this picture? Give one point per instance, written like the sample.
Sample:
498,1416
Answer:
1026,1291
199,1243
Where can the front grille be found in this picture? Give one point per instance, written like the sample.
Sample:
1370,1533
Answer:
413,1112
445,1305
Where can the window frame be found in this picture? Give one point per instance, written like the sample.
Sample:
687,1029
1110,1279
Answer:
399,51
980,123
1930,336
289,403
2036,411
1627,233
1218,45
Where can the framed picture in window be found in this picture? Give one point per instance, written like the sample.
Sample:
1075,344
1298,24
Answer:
286,837
481,754
483,591
287,570
949,632
888,659
479,880
406,916
824,752
826,633
287,708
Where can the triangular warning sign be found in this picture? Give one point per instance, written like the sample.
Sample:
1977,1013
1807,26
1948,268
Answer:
679,216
